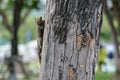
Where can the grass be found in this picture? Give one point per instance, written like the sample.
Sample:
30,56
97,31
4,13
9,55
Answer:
103,76
34,66
98,76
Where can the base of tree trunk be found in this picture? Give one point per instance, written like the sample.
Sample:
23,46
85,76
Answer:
117,73
117,76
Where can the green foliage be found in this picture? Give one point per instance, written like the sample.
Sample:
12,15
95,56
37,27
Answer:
26,4
9,5
4,35
7,8
105,31
31,3
28,25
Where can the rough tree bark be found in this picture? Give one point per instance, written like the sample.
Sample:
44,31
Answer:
71,39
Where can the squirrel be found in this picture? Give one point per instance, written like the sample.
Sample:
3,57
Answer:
40,31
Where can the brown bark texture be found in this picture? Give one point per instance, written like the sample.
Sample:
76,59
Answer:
71,39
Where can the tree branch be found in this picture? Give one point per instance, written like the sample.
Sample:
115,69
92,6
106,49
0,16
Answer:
25,15
112,27
5,21
116,8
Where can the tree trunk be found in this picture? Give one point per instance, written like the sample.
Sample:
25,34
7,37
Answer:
16,23
14,41
116,7
71,39
115,40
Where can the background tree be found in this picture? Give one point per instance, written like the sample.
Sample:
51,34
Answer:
17,6
113,14
71,39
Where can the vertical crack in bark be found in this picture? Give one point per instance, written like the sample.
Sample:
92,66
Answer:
48,49
77,54
77,65
86,63
47,57
53,63
64,55
51,66
60,73
72,54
